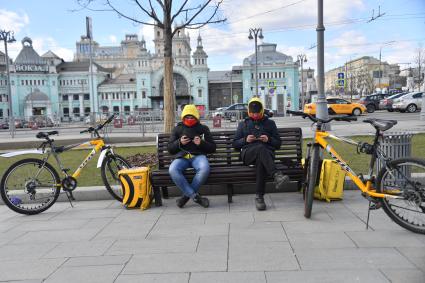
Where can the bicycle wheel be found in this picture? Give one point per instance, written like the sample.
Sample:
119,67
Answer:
405,179
305,173
311,179
30,186
109,171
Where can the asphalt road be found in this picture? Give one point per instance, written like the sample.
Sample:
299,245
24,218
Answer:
406,122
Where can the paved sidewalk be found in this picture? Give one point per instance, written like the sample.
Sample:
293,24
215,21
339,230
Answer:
99,241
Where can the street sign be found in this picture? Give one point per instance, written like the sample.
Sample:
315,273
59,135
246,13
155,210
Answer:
341,83
340,76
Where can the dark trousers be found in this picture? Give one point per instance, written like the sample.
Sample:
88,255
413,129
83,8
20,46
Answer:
262,157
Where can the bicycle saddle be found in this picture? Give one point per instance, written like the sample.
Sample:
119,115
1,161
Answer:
43,135
380,124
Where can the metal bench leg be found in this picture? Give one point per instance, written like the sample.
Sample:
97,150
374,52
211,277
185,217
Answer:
229,193
299,185
164,192
157,196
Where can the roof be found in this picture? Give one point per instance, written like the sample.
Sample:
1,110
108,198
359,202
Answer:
50,54
28,56
80,66
37,95
267,55
121,79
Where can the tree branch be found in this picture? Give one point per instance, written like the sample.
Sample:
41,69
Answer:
108,2
150,14
198,25
154,15
179,11
160,3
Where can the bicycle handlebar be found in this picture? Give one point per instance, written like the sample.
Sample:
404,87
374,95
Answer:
315,119
99,127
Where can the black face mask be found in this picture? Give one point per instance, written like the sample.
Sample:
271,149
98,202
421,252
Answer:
255,107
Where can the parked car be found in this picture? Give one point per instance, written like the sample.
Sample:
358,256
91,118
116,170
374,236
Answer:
4,124
410,102
41,121
371,102
240,110
338,106
20,123
387,103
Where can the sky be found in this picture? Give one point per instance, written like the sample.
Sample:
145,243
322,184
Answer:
291,24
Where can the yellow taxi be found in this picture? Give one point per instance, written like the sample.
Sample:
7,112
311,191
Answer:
338,106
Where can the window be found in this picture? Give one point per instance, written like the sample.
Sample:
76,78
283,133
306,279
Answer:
259,75
417,95
199,92
158,34
127,110
75,97
128,95
275,75
87,97
199,80
143,82
22,82
203,61
26,82
65,98
143,94
66,111
268,75
106,96
76,111
1,113
116,109
252,76
42,82
135,95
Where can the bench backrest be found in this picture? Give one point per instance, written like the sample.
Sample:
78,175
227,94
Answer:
290,153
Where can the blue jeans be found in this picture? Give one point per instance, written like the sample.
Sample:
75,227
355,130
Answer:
202,168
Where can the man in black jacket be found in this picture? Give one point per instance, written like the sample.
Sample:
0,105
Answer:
190,141
257,138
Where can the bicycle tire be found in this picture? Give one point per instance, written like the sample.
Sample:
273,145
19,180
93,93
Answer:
16,207
106,165
312,176
388,207
305,174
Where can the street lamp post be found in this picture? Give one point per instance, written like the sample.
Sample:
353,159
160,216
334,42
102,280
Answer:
302,58
8,37
231,87
258,33
321,104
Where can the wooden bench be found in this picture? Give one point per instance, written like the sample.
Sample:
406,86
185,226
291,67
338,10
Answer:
226,168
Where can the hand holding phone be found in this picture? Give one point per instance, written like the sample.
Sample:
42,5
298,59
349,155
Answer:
185,140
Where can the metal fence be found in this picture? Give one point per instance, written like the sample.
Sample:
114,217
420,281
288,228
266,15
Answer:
151,121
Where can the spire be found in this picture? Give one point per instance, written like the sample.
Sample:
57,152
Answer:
199,39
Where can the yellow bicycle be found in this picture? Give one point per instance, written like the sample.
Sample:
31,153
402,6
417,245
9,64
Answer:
32,185
399,187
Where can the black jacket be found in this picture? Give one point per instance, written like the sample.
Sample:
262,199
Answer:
257,128
207,143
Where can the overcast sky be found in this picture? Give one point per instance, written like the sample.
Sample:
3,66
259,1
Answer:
56,25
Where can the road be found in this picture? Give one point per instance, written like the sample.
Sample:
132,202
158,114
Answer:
406,122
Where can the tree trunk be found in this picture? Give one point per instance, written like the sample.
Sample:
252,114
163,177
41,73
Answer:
169,96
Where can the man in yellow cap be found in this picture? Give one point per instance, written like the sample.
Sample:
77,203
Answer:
257,138
190,141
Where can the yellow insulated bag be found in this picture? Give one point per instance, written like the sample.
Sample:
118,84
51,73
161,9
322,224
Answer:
331,186
136,187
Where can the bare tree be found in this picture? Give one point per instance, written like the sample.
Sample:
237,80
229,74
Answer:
365,81
164,13
419,61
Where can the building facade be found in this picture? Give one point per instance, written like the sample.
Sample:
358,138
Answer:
362,76
277,78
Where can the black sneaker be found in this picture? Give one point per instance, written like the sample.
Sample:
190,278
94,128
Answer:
181,201
202,201
259,203
280,180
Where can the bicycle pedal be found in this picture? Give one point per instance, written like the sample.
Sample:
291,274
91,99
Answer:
375,206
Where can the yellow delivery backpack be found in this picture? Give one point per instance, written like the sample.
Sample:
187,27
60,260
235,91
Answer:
331,186
136,187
